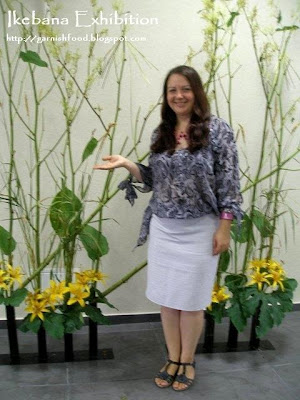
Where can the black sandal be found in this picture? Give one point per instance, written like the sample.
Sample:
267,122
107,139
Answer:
164,375
182,378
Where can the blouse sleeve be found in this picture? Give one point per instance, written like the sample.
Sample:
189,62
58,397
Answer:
226,169
146,174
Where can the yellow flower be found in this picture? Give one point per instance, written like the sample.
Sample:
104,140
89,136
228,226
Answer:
259,278
82,279
218,295
15,274
33,297
257,264
90,275
55,292
4,278
37,308
277,278
275,266
36,305
79,294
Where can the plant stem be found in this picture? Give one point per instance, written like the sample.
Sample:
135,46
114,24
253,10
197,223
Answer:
125,278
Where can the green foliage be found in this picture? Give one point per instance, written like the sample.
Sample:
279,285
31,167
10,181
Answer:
224,261
288,28
262,224
73,319
236,313
65,213
96,315
247,300
235,281
15,299
33,58
7,242
94,242
97,296
217,311
242,233
233,15
54,324
89,148
27,325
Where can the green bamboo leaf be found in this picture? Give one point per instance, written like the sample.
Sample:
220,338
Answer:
233,15
94,242
96,315
89,149
7,242
241,234
224,261
288,28
54,325
33,58
65,213
17,297
262,224
101,299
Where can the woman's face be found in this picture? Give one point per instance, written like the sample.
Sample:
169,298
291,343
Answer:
180,96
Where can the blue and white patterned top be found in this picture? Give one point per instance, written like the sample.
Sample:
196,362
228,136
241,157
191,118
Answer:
190,185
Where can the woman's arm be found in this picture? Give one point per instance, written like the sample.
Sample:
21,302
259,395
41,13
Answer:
117,161
221,239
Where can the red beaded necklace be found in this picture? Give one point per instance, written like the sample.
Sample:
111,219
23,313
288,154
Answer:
180,136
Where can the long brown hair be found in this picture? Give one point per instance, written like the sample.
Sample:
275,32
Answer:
199,123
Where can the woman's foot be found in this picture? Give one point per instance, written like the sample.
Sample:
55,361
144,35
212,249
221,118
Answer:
165,377
185,377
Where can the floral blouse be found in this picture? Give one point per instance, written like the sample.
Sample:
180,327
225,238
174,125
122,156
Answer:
190,185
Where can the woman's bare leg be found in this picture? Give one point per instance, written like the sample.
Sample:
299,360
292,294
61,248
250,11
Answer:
171,326
191,324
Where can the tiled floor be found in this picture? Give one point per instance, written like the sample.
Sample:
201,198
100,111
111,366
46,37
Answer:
139,352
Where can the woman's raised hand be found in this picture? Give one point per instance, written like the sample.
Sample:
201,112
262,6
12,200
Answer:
114,161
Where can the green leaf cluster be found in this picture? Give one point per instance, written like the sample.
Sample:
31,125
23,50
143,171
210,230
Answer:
15,299
246,300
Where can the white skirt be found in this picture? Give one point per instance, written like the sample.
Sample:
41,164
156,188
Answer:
181,268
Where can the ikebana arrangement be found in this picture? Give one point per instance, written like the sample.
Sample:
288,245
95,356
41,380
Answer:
54,221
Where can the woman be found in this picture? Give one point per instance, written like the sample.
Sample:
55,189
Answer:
193,172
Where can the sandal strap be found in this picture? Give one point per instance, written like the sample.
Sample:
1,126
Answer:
193,364
182,378
164,375
173,362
